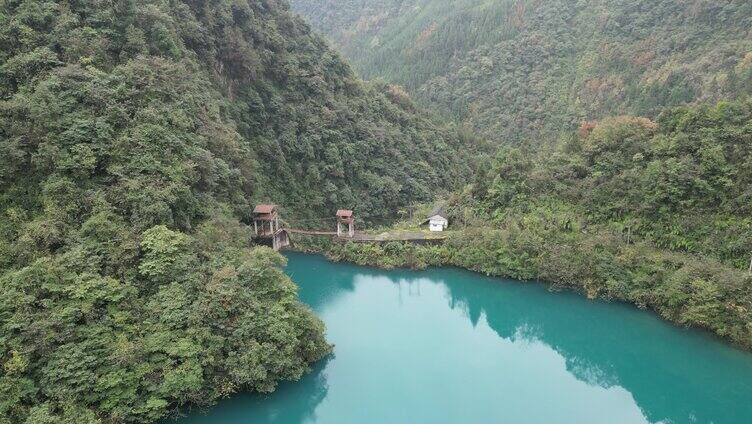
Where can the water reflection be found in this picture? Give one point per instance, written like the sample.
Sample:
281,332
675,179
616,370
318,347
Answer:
445,346
674,375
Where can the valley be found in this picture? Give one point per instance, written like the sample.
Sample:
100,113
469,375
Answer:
597,149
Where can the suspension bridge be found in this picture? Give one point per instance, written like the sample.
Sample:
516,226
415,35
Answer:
271,230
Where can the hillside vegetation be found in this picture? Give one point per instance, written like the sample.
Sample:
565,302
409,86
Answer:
654,213
526,70
135,138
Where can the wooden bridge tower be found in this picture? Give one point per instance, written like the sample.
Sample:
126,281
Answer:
266,227
345,216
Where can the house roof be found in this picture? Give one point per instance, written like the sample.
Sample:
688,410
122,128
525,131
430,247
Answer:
344,213
438,210
264,209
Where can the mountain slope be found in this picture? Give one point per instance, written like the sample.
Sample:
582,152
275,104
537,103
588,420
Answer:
135,138
518,69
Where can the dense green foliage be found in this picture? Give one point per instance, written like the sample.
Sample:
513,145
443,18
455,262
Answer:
201,320
281,114
657,214
135,136
516,69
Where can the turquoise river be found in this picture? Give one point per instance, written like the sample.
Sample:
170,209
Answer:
450,346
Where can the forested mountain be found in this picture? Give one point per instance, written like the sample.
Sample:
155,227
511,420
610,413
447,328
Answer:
135,137
656,213
519,69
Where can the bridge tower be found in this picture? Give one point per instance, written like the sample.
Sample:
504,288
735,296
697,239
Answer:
266,227
345,216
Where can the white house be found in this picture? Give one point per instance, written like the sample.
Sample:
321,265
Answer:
437,220
437,223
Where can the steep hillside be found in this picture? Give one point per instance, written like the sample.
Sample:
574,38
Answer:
516,69
135,137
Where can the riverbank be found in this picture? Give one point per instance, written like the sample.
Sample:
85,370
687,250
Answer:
683,289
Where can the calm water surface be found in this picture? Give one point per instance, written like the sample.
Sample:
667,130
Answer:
450,346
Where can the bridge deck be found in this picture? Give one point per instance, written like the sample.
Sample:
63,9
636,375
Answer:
312,232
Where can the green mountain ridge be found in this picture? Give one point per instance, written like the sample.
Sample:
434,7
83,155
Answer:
522,70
